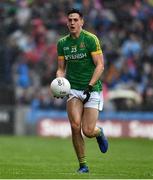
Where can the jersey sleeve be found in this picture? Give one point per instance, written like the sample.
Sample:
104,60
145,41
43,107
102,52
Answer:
94,45
60,52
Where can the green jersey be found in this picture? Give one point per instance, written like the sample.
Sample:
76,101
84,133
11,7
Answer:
77,54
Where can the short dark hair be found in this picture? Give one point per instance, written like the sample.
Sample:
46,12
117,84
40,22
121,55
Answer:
73,10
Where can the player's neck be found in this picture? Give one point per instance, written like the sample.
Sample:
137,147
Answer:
76,35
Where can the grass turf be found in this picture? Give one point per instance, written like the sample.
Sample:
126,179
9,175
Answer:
54,158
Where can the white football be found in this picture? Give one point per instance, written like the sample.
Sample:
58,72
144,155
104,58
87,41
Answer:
60,87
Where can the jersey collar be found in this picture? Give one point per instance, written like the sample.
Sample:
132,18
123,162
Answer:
81,33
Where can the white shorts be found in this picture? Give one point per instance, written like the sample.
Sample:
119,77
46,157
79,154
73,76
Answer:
95,100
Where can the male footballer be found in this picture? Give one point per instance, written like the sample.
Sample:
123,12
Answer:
80,60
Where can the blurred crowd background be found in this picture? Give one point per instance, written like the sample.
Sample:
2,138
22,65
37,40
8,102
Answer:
29,30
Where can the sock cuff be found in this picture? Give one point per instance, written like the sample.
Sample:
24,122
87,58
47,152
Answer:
82,161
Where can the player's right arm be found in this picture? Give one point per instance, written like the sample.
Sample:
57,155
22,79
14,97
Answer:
61,62
61,68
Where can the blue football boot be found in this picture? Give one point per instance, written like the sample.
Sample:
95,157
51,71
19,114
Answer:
83,169
102,142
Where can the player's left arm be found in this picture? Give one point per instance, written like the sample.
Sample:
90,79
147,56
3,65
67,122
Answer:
97,56
99,63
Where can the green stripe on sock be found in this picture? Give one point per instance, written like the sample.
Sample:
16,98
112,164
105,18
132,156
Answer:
82,161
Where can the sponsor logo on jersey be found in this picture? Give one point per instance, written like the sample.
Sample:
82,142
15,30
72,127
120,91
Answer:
78,56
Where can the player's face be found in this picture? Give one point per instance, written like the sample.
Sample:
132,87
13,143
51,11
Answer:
75,23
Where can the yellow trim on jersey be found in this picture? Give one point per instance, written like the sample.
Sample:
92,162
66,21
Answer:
96,52
63,38
60,57
95,38
90,34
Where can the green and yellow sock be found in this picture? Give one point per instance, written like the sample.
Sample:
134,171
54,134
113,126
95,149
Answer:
82,161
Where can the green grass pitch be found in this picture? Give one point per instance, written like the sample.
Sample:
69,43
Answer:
54,158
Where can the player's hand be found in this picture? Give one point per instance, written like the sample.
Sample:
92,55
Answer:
87,92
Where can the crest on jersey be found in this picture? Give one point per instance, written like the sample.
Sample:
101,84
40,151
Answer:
82,45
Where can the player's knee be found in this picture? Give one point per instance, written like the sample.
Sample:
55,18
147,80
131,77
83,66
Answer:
88,132
75,126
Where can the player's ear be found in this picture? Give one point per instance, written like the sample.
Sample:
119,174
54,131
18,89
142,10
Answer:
67,23
82,22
